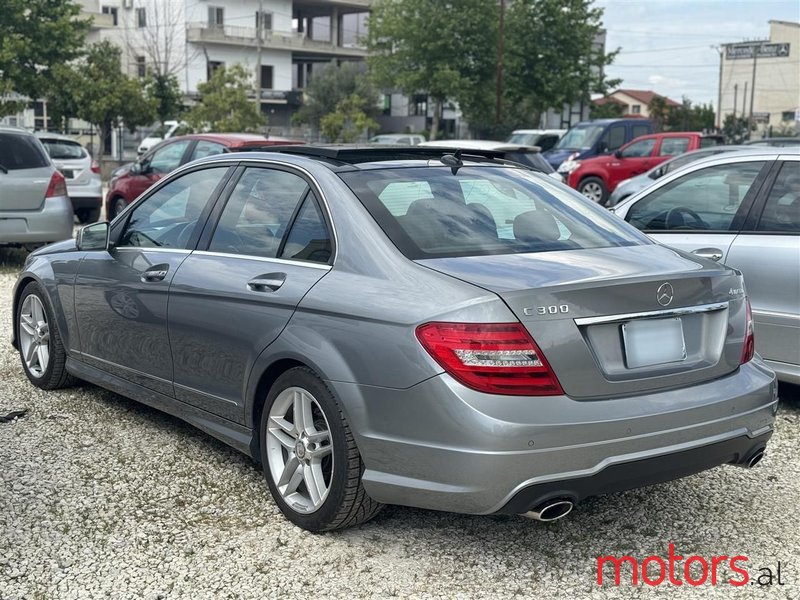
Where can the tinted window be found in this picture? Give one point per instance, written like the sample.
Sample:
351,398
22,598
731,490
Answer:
639,130
63,149
204,148
581,136
308,237
429,212
21,152
639,149
169,217
673,145
614,138
546,142
258,212
707,199
167,158
782,210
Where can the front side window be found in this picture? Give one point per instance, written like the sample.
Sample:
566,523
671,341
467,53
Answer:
259,212
641,149
782,210
205,148
429,212
614,138
640,130
169,217
705,200
166,159
673,145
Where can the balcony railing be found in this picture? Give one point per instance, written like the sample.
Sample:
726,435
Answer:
277,40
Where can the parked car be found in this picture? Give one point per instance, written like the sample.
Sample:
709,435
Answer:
373,327
777,142
34,205
629,187
397,139
127,184
741,209
162,132
597,177
543,138
529,156
81,172
593,138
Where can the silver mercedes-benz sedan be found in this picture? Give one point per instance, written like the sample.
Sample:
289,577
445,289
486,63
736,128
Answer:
406,326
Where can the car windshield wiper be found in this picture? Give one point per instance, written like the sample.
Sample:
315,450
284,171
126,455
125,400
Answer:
3,168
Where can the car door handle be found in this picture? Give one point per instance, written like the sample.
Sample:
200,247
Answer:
267,283
712,253
154,274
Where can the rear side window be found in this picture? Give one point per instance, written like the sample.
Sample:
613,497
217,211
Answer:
673,145
782,210
429,212
63,149
705,200
20,151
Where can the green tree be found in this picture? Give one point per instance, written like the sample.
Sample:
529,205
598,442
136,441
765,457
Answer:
446,50
660,113
736,129
35,37
551,57
164,92
106,97
348,121
225,103
607,110
329,86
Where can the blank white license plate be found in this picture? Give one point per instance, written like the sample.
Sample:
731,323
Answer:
653,342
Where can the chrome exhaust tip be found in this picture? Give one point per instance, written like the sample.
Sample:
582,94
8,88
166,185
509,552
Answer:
552,510
755,459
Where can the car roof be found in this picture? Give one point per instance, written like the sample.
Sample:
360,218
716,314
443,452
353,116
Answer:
14,129
227,139
47,135
480,145
538,131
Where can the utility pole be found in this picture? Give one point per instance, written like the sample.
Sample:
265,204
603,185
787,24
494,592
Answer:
735,98
753,85
259,30
500,49
744,101
719,89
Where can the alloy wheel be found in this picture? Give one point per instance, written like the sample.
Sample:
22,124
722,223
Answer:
34,336
299,450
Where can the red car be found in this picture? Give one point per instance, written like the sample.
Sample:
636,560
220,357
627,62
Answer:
597,177
172,153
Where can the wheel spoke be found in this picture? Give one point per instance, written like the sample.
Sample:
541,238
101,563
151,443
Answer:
29,354
26,324
44,356
38,313
286,440
315,482
291,477
303,419
322,444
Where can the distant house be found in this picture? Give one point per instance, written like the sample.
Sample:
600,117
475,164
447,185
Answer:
634,102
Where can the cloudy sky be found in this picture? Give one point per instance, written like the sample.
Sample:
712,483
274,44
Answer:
666,44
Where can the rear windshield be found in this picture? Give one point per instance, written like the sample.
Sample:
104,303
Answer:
63,149
20,151
525,139
428,212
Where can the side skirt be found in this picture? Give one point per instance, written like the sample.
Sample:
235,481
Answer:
233,434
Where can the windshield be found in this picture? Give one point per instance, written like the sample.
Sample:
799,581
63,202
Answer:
580,136
428,212
63,149
524,139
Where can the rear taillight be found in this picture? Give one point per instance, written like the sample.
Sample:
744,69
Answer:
496,358
57,186
95,167
749,348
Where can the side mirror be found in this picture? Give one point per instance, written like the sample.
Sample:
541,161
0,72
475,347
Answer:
93,237
137,168
618,153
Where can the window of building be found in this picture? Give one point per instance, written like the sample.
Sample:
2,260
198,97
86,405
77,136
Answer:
788,115
265,22
213,65
321,29
141,17
636,109
110,10
418,106
216,16
266,77
387,104
141,66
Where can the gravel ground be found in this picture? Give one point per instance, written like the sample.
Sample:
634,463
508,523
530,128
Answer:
101,497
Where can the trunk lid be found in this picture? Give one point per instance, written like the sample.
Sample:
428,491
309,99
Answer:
24,189
585,309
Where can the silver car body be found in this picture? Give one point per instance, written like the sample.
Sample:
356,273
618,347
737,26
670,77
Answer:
84,185
768,259
26,216
426,439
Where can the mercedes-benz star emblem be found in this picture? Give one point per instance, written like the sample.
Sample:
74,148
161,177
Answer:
665,294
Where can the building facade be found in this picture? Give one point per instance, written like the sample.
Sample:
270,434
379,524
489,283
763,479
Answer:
760,80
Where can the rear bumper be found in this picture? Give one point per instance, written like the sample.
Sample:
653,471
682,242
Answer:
53,222
439,445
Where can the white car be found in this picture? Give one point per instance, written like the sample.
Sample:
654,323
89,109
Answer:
397,139
544,138
169,129
81,171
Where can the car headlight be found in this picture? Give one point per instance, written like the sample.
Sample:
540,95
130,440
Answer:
568,166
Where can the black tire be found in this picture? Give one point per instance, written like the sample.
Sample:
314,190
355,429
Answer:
594,189
347,504
116,206
88,215
55,376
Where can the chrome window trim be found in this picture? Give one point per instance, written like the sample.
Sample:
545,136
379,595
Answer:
280,261
772,313
154,249
652,314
